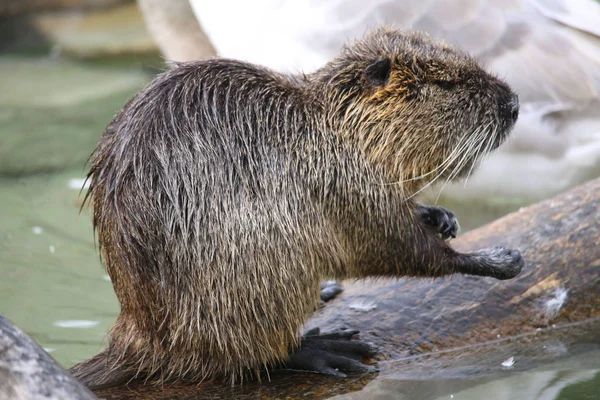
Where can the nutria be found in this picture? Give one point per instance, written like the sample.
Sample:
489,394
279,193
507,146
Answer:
224,193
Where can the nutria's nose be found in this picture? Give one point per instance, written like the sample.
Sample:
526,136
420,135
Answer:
514,108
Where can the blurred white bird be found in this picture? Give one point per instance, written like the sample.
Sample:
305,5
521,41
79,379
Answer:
547,50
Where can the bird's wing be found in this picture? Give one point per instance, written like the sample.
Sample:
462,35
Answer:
549,50
578,14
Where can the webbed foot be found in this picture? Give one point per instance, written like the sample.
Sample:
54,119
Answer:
331,353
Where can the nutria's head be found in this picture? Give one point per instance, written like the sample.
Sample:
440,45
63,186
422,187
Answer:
419,108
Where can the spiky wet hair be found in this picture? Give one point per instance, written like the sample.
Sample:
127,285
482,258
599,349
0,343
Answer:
224,192
422,107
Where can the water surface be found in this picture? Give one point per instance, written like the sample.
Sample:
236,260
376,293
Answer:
52,285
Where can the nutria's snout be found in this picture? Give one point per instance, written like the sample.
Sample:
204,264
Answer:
509,109
507,114
514,108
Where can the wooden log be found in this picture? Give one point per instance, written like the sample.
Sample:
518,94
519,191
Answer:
434,328
422,326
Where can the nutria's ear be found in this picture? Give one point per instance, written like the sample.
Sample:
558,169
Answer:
378,73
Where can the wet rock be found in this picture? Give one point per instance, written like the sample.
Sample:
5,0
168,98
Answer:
78,32
28,372
174,27
96,33
53,112
9,8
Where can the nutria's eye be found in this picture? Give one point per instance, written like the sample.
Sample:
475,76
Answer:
446,85
378,73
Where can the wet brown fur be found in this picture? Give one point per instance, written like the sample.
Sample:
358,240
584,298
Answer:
224,193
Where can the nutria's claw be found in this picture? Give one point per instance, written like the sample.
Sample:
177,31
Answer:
331,353
442,220
330,290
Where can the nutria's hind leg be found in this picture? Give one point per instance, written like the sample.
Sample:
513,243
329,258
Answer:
331,353
330,290
442,220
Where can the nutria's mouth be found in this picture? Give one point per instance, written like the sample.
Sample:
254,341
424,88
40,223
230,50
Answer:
509,114
514,108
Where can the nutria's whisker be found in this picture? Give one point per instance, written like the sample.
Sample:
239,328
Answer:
491,140
487,141
448,160
459,150
477,159
477,141
488,148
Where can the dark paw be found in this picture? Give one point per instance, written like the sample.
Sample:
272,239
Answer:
331,353
504,263
442,220
330,290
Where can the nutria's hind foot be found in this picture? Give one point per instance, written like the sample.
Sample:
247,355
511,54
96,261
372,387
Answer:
330,290
497,262
331,353
442,220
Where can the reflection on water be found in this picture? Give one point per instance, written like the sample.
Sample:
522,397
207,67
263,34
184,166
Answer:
53,286
541,384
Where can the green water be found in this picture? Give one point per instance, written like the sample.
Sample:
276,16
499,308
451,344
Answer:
52,113
50,270
540,384
52,285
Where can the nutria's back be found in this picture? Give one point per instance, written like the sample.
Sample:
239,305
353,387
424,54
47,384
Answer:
225,192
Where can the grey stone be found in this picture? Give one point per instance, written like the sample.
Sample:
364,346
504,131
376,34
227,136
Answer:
28,372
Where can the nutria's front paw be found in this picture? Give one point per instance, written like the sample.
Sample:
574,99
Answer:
503,263
442,220
331,353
